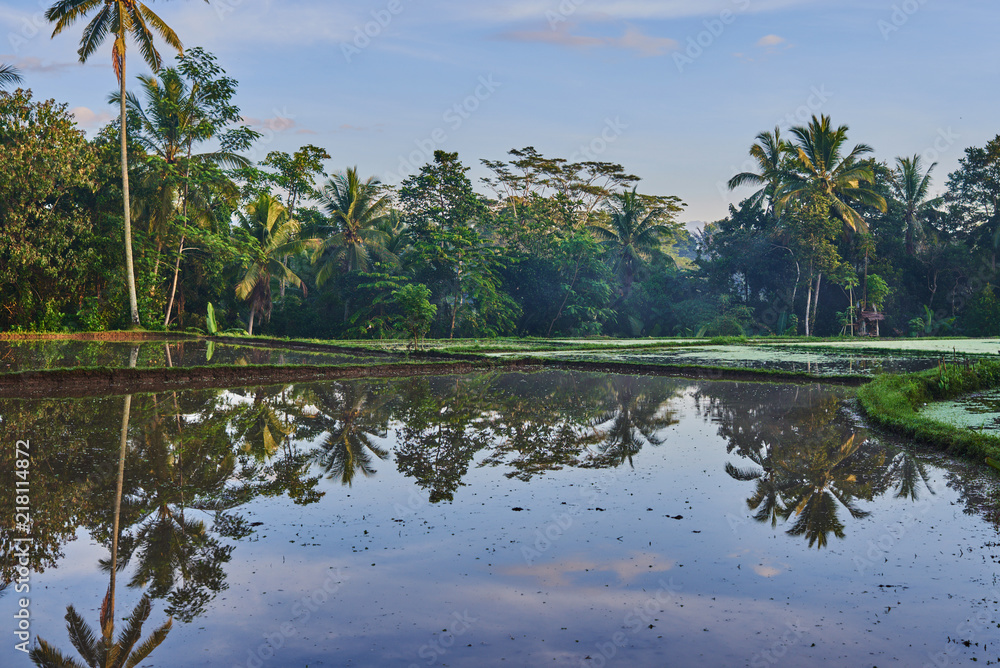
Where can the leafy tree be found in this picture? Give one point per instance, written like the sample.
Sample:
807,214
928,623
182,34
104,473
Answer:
123,19
48,246
417,311
974,196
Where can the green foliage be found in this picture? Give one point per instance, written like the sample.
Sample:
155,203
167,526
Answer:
982,317
417,312
210,325
893,401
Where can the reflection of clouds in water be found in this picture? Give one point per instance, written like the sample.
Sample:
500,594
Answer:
558,573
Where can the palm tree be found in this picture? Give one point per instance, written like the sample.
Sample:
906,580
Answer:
910,185
353,419
632,232
8,75
176,117
819,166
272,236
122,18
357,210
769,151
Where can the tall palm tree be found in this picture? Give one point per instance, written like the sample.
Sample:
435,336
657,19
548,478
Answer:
176,117
632,232
272,236
8,75
769,151
357,210
820,166
910,185
121,18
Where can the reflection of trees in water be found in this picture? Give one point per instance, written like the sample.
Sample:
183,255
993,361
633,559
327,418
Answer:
443,426
105,651
807,461
192,459
635,412
351,416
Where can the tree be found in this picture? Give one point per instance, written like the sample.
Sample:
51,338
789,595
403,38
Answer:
122,18
910,185
8,76
769,151
819,166
184,107
417,311
637,225
974,195
356,208
270,235
48,249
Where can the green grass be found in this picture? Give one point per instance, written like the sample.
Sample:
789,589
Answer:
894,401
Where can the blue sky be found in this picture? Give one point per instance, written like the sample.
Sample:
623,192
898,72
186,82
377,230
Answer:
674,90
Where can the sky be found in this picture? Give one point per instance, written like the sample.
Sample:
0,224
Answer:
673,90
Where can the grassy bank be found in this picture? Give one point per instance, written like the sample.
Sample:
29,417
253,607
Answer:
894,401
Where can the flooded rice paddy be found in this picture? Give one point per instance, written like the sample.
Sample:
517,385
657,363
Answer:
825,362
555,518
34,355
979,411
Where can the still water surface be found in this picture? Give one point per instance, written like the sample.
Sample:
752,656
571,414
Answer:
561,519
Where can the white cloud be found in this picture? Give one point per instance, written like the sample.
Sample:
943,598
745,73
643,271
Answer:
770,40
88,118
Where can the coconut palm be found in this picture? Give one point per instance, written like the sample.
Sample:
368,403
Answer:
354,419
357,210
632,421
910,185
122,18
272,236
8,75
175,118
769,151
820,166
633,230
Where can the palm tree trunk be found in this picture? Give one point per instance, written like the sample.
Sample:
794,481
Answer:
819,280
809,298
173,289
253,312
133,303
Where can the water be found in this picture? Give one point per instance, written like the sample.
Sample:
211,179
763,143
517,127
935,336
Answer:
507,519
793,360
55,354
979,411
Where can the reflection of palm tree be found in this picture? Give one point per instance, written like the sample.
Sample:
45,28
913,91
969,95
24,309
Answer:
632,422
767,499
823,477
911,474
106,652
349,413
